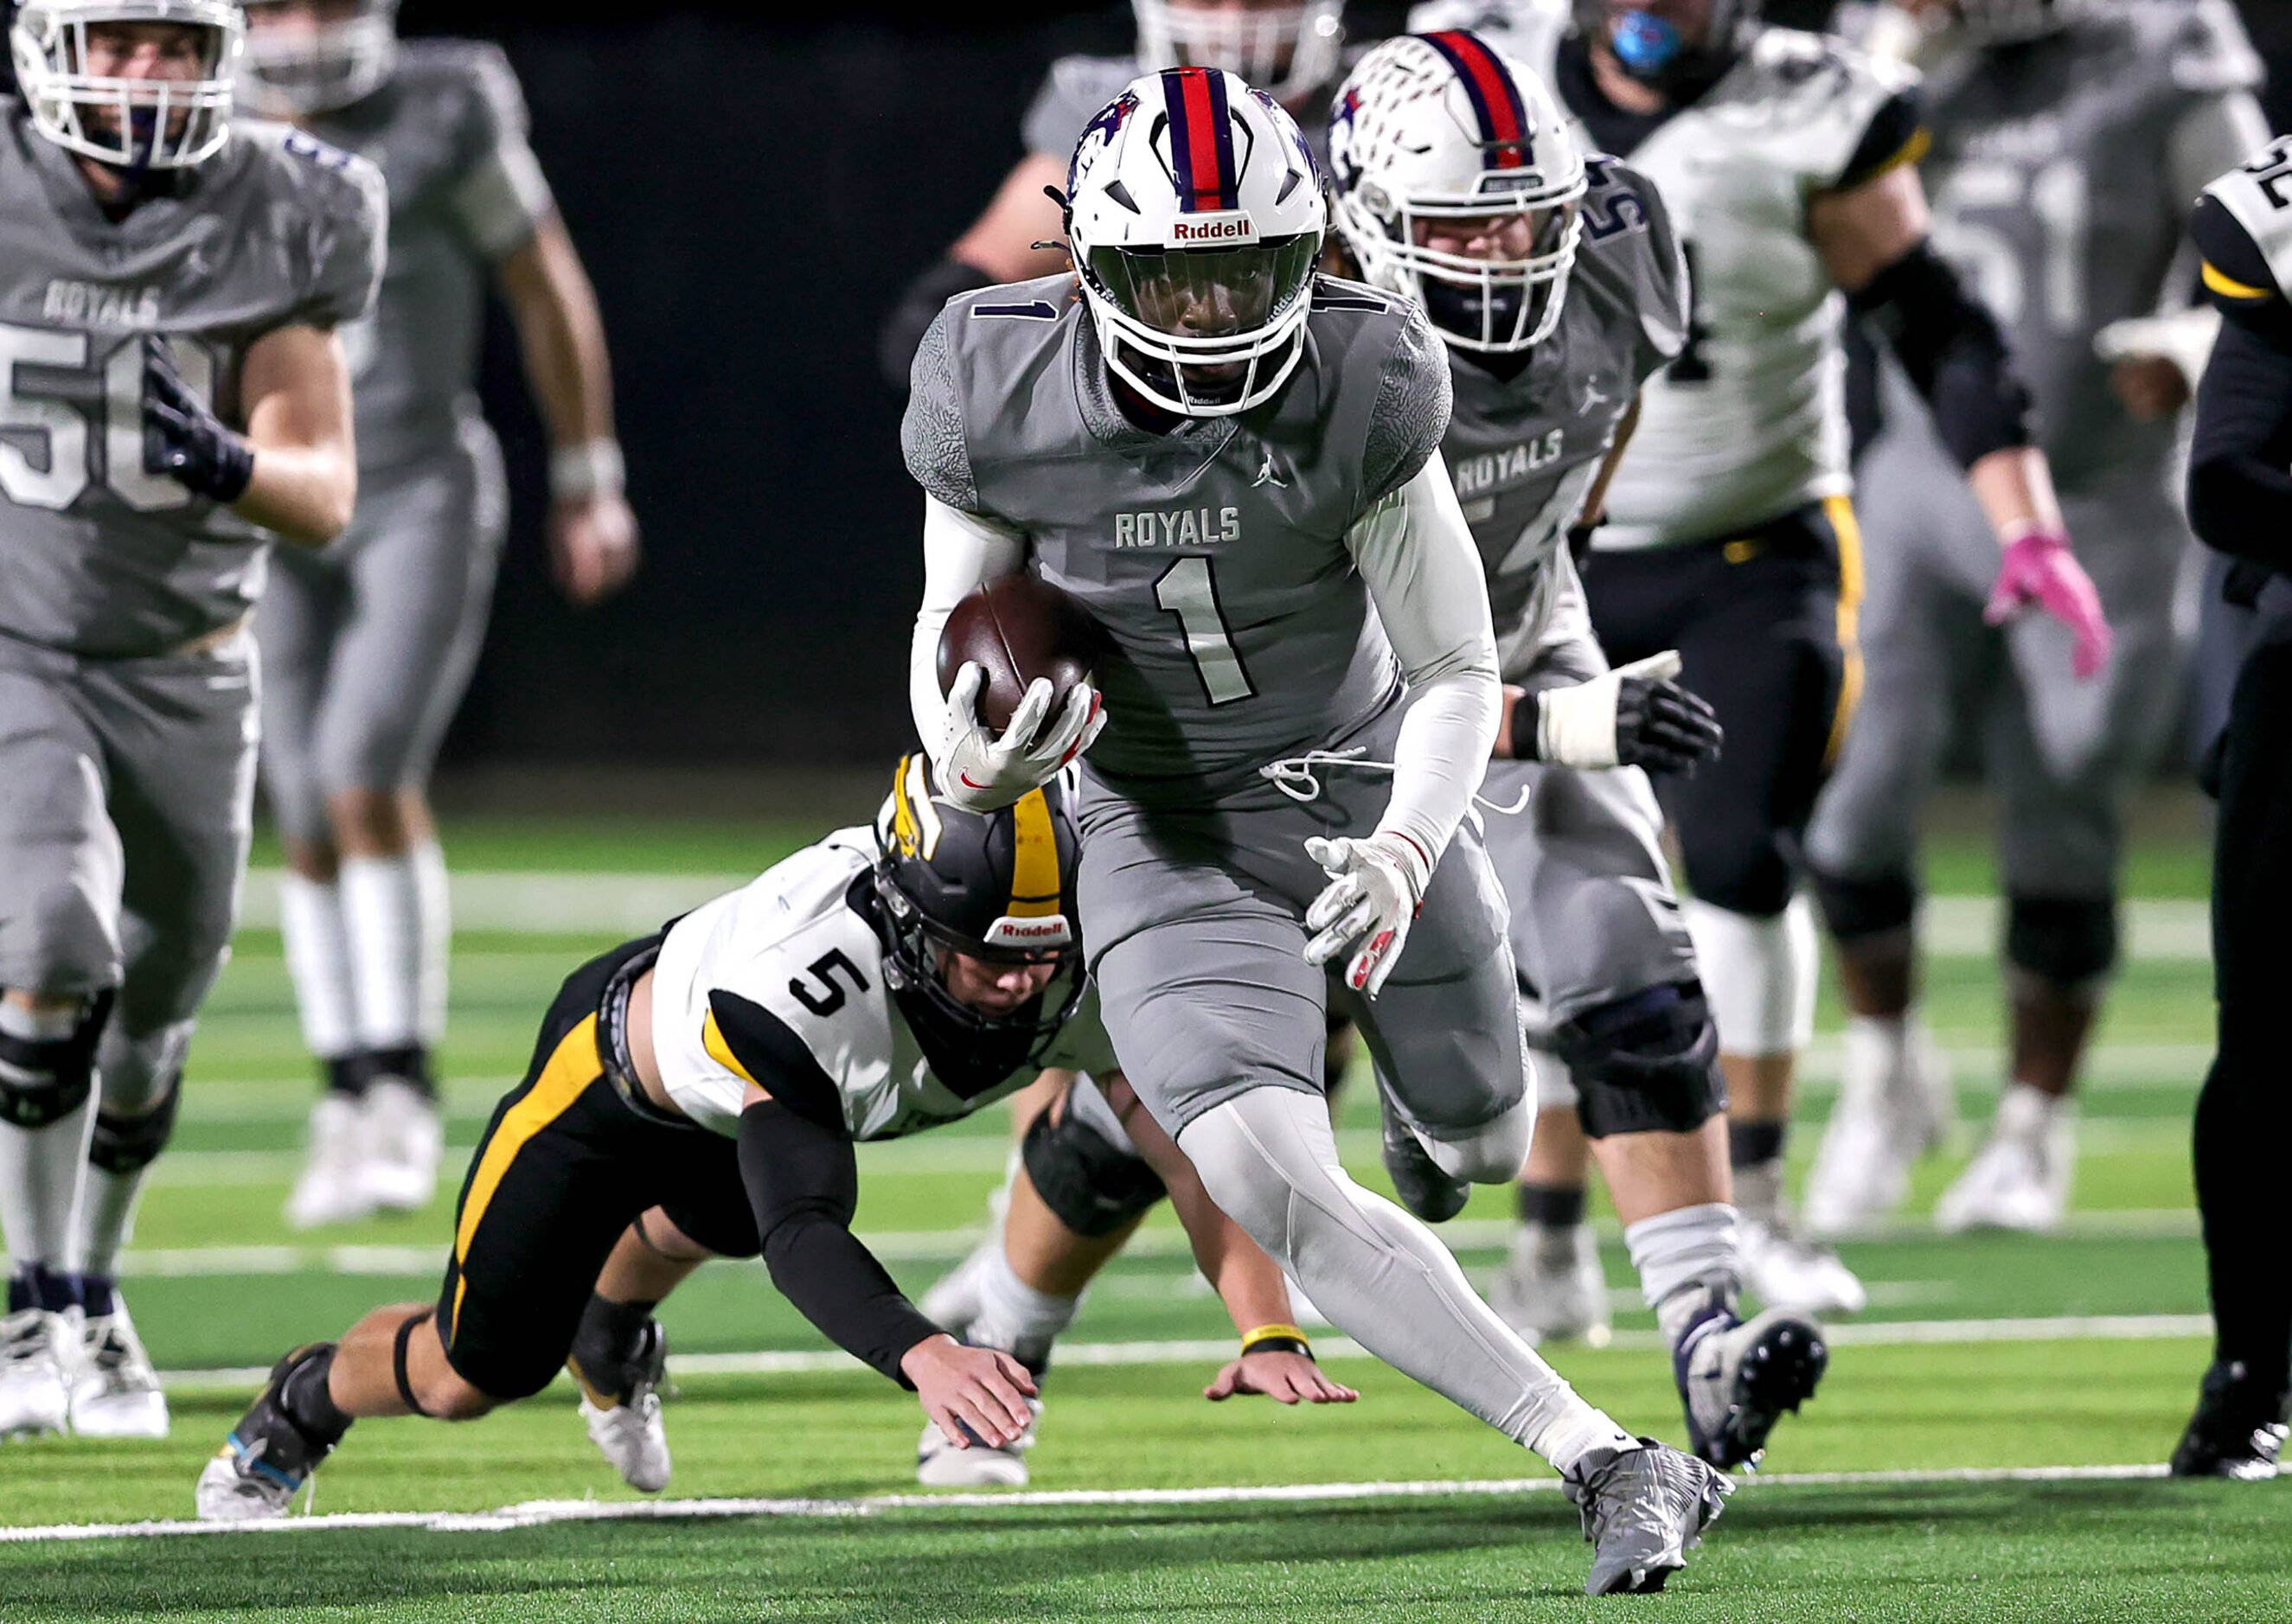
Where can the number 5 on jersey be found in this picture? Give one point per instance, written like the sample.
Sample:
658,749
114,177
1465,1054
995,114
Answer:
1186,591
48,461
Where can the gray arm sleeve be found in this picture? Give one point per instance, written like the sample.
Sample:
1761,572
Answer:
930,434
1412,414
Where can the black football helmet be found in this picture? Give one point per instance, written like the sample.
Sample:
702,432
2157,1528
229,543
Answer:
1657,52
998,886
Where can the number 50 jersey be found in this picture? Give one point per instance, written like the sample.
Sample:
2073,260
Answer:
102,558
782,983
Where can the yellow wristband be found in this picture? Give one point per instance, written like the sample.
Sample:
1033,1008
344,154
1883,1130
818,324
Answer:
1252,1341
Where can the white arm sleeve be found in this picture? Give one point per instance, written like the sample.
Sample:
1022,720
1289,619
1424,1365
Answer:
1416,553
962,552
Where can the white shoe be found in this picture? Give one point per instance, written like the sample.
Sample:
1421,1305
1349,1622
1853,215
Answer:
953,1303
115,1393
405,1142
36,1360
2020,1178
1783,1269
1552,1288
332,1188
940,1465
1894,1106
630,1435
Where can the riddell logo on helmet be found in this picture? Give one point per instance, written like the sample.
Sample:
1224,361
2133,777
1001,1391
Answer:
1052,932
1214,228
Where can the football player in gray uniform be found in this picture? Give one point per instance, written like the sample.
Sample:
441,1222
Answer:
1232,464
2070,138
707,1084
1447,159
1785,159
1290,48
174,396
368,647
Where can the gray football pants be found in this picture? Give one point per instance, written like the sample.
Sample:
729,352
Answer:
368,647
127,804
2061,755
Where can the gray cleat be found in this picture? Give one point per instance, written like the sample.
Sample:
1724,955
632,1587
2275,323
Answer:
1739,1378
1644,1510
1422,1187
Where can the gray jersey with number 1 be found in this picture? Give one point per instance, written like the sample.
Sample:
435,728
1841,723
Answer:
102,558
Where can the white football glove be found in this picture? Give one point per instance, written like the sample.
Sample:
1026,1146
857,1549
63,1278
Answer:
982,772
1633,716
1375,887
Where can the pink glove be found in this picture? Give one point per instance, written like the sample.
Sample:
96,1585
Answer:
2039,568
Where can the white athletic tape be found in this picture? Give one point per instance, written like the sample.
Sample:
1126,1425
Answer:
534,1513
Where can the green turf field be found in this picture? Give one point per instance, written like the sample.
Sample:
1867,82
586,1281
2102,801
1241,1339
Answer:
1978,1355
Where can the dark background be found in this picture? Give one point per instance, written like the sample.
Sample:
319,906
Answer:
751,196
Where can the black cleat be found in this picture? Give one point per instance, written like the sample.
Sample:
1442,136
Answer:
268,1457
1739,1378
1422,1187
1644,1510
2239,1429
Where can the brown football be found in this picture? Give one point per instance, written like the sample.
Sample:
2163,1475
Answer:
1019,628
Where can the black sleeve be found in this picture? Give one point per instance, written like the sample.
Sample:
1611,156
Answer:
1896,135
2238,277
1954,350
2241,462
804,1181
904,327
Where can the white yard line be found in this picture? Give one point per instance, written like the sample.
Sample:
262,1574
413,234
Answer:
557,901
534,1513
1901,1333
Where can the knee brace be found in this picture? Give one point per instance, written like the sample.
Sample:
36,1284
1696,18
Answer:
129,1144
1093,1185
1646,1064
45,1079
1854,907
2068,942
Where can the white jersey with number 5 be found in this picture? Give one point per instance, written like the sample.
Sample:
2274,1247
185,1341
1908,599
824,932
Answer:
1749,422
782,983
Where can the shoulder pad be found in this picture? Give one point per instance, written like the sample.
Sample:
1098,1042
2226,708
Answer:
1823,96
2203,45
2243,225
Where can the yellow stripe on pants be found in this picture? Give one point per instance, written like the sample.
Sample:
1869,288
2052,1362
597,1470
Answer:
1840,513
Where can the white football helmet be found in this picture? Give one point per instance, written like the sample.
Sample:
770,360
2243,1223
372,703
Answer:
152,123
297,64
1286,50
1195,216
1440,127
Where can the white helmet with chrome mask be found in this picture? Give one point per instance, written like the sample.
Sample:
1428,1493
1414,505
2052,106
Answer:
66,69
1439,145
1287,49
1194,214
306,56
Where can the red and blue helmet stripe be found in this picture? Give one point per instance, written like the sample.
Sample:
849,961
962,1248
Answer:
1201,140
1496,98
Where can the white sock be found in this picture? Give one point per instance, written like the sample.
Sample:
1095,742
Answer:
434,916
1687,1247
381,914
2026,1113
1270,1161
1016,1317
319,962
40,1167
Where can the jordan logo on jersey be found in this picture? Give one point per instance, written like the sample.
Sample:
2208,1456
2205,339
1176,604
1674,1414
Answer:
90,304
1187,527
1490,469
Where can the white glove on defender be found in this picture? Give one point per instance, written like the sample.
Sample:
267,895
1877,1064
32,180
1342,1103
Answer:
981,774
1375,887
1633,716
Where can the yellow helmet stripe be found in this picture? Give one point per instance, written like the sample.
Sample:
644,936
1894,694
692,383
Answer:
1034,858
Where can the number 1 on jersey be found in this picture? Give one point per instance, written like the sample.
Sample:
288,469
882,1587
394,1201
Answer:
1187,592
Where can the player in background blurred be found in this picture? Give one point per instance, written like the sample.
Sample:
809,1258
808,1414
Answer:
1290,48
368,647
171,282
1787,161
2070,139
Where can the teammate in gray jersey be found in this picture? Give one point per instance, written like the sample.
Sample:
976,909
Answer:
368,647
1290,48
1785,158
1559,288
174,396
2070,139
1230,463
